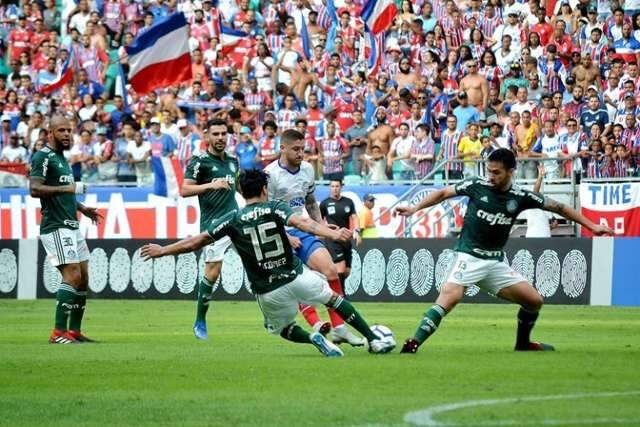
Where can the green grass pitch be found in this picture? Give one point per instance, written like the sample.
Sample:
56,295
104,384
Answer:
149,370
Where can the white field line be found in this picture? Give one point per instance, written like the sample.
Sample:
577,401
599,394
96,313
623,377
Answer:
425,417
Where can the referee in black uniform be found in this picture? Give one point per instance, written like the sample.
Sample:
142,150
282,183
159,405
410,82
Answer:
340,211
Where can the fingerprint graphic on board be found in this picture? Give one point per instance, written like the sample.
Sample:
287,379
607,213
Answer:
186,272
548,273
141,272
51,277
119,270
164,273
523,264
373,272
8,270
98,270
422,270
352,283
398,272
443,267
574,273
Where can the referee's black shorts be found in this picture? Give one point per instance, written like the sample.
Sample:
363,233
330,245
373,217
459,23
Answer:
340,252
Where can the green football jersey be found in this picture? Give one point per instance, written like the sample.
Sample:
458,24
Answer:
490,216
60,210
257,231
204,168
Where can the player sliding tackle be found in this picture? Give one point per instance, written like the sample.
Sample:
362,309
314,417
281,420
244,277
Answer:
277,276
494,204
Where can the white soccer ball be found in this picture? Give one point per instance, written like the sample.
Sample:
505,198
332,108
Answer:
384,333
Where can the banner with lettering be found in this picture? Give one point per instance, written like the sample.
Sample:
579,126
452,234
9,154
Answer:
139,214
615,204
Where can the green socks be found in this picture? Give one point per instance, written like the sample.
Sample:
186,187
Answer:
430,322
75,317
69,304
350,315
204,297
295,333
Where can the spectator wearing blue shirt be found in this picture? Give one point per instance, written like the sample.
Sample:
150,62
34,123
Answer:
246,151
88,87
594,115
465,113
627,47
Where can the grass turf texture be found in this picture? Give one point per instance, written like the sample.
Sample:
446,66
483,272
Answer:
149,370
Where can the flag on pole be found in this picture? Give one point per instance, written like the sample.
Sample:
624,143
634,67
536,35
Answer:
375,60
160,56
229,38
64,76
306,42
378,15
121,89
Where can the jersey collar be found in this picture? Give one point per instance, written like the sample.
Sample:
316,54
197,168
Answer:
287,169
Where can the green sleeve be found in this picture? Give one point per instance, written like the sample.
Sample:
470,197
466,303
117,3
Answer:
222,227
532,200
193,168
283,212
39,166
463,187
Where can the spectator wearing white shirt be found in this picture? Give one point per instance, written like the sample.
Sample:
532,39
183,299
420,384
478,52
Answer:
14,152
548,145
139,152
400,152
575,146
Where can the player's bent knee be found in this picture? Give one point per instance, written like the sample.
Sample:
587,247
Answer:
450,295
72,274
535,302
212,270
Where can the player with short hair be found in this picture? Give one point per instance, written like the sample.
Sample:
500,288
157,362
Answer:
339,211
277,276
494,204
51,181
211,175
292,180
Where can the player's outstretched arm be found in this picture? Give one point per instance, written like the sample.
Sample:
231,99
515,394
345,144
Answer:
432,199
573,215
40,190
320,230
190,244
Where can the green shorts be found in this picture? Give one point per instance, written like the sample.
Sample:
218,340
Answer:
490,275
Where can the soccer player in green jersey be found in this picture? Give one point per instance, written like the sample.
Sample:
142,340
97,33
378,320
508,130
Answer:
51,180
494,204
278,278
211,176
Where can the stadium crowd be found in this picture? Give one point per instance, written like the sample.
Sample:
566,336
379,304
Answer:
454,80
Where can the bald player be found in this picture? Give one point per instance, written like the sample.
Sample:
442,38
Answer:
51,181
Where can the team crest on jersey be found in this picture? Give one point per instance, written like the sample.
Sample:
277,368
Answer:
512,206
347,209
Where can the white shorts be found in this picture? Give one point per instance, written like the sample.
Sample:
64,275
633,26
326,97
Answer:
490,275
215,251
280,306
65,246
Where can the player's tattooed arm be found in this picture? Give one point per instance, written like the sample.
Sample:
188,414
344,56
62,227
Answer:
573,215
312,207
39,189
190,244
